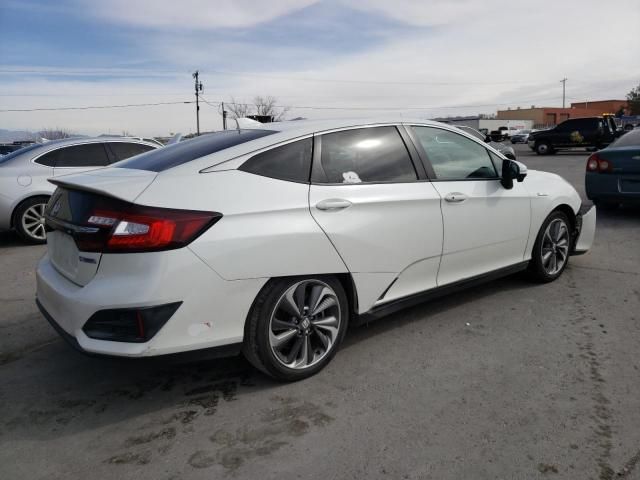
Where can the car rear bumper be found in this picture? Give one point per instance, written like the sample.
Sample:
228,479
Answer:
212,313
586,229
603,186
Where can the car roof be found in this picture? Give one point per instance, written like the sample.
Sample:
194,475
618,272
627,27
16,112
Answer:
287,131
35,150
64,142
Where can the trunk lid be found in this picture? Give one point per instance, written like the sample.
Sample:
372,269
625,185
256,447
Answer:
123,183
67,211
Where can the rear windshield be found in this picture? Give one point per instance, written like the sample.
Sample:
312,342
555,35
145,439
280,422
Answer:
183,152
631,139
20,151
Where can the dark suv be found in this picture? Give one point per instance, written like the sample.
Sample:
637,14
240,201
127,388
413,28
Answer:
597,132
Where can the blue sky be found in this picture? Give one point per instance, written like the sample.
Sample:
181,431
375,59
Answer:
353,57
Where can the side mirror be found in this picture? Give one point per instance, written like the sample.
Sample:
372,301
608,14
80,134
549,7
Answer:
487,139
512,170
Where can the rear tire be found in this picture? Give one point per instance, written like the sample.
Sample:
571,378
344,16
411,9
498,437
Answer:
551,250
28,220
295,326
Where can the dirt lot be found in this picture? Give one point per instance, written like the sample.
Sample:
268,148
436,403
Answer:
511,380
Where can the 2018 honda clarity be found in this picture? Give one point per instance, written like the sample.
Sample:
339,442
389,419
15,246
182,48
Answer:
271,241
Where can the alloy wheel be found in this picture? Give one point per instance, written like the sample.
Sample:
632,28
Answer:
304,325
555,246
33,221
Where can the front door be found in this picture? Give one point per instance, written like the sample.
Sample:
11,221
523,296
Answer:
486,226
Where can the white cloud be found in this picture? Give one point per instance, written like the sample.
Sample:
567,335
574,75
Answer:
484,57
193,14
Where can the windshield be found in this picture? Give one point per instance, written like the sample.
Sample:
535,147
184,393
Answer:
20,151
631,139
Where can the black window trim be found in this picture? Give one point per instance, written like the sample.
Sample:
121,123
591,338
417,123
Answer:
411,152
86,142
427,163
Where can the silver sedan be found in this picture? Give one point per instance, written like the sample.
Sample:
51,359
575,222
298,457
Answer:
24,189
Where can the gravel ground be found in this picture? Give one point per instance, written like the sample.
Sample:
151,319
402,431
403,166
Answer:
509,380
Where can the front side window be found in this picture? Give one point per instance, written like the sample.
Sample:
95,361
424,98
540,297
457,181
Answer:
364,155
454,157
124,150
290,162
87,155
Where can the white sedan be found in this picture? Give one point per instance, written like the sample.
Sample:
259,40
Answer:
271,240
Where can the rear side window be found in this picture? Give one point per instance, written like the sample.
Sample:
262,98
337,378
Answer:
364,155
184,152
454,157
124,150
86,155
290,162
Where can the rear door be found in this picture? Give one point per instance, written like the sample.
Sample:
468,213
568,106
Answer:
378,209
486,226
79,158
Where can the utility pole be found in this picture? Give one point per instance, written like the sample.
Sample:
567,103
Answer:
224,117
199,89
564,84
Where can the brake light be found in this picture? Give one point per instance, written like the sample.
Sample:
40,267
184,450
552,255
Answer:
596,163
119,227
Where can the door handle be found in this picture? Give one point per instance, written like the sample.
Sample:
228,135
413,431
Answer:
455,197
333,204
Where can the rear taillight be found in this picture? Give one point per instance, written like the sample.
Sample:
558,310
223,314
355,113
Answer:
108,225
596,163
146,228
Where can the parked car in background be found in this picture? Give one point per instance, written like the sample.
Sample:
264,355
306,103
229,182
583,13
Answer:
613,173
522,136
506,150
271,241
595,132
24,189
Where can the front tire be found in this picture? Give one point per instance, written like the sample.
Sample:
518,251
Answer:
28,220
295,326
550,254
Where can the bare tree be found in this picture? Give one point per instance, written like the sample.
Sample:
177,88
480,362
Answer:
237,109
55,133
266,106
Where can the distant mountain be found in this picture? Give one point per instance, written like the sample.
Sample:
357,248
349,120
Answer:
8,136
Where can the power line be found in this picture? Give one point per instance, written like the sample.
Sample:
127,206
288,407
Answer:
302,107
93,107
